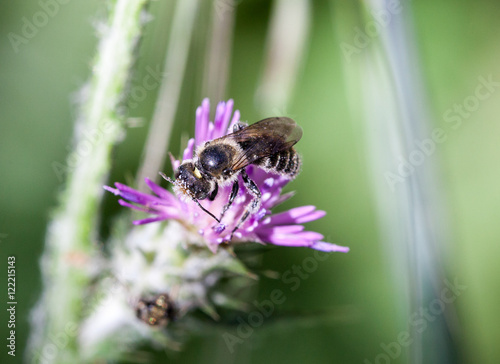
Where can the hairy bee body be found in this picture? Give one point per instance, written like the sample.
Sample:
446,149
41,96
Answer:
286,162
215,157
267,144
156,311
214,160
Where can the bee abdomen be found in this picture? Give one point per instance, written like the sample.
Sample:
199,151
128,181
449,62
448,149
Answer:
293,166
286,162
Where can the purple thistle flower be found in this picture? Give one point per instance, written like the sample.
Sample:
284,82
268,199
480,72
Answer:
279,229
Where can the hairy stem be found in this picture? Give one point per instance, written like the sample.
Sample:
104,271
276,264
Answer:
70,242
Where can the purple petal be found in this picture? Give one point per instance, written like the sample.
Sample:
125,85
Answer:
219,228
132,206
283,241
298,215
281,199
148,220
132,195
287,229
202,119
260,215
268,183
222,122
174,162
114,191
169,212
210,131
198,123
310,235
188,152
227,114
315,215
161,192
219,115
328,247
274,236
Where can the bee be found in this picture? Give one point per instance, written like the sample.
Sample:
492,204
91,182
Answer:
157,311
267,144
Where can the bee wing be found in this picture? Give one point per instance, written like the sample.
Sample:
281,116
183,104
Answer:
265,138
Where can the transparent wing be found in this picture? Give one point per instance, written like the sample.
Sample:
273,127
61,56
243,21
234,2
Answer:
264,138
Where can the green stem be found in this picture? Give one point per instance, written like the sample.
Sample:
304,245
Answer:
70,243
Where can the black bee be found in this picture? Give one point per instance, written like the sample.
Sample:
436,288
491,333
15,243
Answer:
267,143
157,311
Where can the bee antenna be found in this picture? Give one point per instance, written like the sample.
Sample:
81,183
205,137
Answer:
166,178
204,209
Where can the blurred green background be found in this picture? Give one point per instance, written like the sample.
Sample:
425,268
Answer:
350,305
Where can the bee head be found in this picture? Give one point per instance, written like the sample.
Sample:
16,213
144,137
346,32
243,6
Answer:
191,182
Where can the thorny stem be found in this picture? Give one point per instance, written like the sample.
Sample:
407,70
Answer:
71,237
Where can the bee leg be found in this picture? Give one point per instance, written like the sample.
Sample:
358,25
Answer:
234,192
214,193
254,204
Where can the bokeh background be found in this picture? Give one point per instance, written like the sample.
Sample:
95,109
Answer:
351,305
